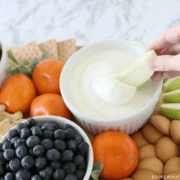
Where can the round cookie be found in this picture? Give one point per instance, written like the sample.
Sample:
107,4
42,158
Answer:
172,165
161,123
175,131
147,150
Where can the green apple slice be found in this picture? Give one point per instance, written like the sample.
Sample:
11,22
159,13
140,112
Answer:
172,84
138,72
171,97
164,80
171,110
137,43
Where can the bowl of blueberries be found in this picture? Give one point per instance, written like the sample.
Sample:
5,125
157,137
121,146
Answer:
46,148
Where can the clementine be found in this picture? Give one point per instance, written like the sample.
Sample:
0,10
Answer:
46,76
118,153
49,104
17,93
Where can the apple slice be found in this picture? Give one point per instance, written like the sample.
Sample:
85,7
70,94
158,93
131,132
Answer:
171,110
138,72
172,84
171,97
137,43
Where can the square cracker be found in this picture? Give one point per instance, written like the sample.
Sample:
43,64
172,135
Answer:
29,51
79,47
66,49
50,45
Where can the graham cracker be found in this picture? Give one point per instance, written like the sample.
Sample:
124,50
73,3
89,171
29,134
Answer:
29,51
79,47
50,45
66,49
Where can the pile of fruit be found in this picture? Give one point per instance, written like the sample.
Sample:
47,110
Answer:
46,152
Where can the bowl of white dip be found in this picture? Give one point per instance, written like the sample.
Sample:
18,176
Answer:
3,63
96,98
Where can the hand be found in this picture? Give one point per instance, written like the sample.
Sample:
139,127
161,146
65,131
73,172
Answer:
167,63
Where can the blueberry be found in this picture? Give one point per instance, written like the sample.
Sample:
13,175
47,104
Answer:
83,165
67,126
78,138
15,164
83,148
1,178
27,162
70,133
59,174
53,155
2,160
52,126
40,162
70,177
36,177
20,126
47,144
48,134
31,153
24,133
30,122
7,167
21,151
8,154
36,131
19,142
59,134
1,147
60,145
23,174
11,133
69,167
1,170
78,160
7,145
47,172
13,140
32,141
9,176
67,155
79,174
38,150
55,164
72,145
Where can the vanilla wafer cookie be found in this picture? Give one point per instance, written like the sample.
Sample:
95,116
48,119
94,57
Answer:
51,46
79,47
66,49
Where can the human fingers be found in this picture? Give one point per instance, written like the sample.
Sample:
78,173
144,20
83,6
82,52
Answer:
166,39
164,63
159,75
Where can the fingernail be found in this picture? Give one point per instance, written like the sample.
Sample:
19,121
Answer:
152,64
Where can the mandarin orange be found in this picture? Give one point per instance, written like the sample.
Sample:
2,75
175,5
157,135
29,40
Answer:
118,153
49,104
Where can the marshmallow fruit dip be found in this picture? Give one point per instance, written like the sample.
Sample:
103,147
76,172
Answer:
95,91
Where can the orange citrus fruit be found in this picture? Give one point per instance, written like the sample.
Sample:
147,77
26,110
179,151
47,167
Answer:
46,76
17,93
118,153
49,104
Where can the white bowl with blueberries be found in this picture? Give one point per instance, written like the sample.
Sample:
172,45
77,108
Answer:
46,147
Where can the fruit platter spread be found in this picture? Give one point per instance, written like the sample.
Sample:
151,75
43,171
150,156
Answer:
33,152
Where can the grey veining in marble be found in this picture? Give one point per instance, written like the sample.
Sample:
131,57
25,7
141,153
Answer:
88,21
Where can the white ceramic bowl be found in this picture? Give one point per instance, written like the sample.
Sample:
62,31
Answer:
3,64
42,119
128,124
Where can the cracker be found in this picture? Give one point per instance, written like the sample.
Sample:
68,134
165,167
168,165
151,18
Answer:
79,47
5,126
66,49
50,45
29,51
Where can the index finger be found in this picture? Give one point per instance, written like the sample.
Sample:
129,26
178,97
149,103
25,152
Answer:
168,38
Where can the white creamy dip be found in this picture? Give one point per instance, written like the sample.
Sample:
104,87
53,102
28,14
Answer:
96,92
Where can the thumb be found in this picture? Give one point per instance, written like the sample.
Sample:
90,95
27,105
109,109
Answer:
164,63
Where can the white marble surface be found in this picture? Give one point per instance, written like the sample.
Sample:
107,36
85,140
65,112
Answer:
88,21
